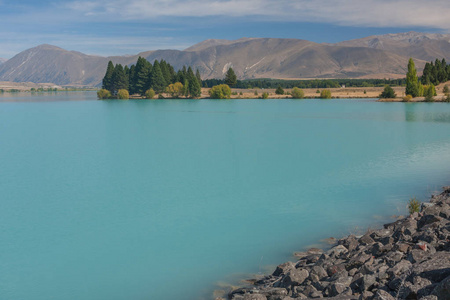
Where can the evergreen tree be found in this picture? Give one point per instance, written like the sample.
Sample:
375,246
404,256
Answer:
165,71
126,69
106,84
132,79
141,78
119,79
230,77
173,75
412,84
199,78
158,82
194,88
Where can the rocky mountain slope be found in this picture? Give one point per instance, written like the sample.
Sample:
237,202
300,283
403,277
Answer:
2,60
371,57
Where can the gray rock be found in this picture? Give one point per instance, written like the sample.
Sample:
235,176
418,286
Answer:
319,271
367,282
295,277
400,268
383,295
366,240
442,290
283,268
436,269
254,297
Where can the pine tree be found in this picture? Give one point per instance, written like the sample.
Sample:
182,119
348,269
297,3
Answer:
165,71
132,79
106,84
199,78
119,79
158,82
412,85
141,78
230,77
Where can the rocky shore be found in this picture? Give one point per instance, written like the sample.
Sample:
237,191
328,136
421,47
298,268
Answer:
407,259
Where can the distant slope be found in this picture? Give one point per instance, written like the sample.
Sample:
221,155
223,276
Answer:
371,57
2,60
424,46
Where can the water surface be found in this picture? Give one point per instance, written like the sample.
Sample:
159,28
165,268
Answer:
163,199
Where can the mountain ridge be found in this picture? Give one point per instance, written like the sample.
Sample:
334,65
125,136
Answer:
377,56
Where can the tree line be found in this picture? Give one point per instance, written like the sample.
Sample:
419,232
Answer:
306,84
146,78
436,73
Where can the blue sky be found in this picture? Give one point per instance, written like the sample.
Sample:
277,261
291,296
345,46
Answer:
118,27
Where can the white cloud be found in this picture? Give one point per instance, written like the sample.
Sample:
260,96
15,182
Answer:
374,13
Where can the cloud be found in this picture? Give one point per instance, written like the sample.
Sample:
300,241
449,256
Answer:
370,13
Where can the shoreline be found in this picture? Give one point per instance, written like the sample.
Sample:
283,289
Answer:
405,259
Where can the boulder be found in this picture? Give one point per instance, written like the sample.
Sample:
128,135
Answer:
442,290
383,295
295,277
283,268
436,269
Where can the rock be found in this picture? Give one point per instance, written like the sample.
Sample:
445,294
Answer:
366,240
402,247
430,297
295,277
283,268
400,268
315,251
319,271
337,289
442,290
436,269
367,282
277,292
366,295
254,297
428,219
336,251
383,295
316,295
335,269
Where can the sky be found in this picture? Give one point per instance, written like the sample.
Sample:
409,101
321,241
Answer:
120,27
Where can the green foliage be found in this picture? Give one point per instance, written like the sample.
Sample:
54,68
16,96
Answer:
103,94
123,94
265,95
158,83
256,93
106,83
325,94
175,89
297,93
412,83
407,98
118,80
149,94
318,92
447,98
221,91
230,77
436,73
445,90
141,78
388,92
413,206
194,89
429,93
279,90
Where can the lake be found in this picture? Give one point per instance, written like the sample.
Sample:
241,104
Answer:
169,199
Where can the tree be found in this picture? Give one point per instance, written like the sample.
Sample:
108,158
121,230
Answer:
221,91
104,94
175,89
158,83
195,89
445,90
106,83
325,94
142,75
429,93
412,84
388,92
123,94
279,90
230,77
118,80
149,94
297,93
199,78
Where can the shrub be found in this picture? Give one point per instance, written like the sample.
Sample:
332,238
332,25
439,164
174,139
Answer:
221,91
256,93
265,95
325,94
445,90
175,89
429,93
279,90
413,206
365,92
103,94
297,93
447,99
149,94
318,92
123,94
388,92
241,94
407,98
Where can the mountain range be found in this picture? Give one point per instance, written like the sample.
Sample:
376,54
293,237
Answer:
383,56
2,60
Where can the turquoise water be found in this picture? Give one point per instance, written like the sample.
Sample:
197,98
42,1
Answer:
164,199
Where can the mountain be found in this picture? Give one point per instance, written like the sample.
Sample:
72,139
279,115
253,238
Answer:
2,60
371,57
424,46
